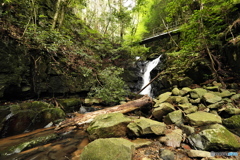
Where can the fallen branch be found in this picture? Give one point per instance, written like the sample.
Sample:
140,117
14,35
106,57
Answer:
149,82
70,124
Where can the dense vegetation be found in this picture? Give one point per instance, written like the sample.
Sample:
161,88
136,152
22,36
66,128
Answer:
96,39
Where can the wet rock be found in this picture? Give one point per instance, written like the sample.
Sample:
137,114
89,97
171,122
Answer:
108,125
172,139
211,98
198,153
31,142
144,126
162,110
215,137
233,123
197,93
167,154
28,116
174,117
108,149
201,118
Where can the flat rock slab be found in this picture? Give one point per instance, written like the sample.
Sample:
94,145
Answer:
203,118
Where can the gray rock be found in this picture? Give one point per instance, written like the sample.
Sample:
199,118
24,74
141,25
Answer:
108,125
211,98
172,139
108,149
203,118
167,154
188,130
162,110
144,126
215,137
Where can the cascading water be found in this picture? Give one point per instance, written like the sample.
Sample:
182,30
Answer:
147,77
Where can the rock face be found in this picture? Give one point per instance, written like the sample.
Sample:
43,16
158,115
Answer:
108,149
108,125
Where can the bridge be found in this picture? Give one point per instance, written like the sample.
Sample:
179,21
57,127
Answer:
172,29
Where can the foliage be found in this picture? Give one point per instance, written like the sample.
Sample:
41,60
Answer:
110,87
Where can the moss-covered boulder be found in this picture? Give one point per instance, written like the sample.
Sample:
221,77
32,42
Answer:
70,104
144,126
233,123
203,118
197,93
108,125
162,98
162,110
175,117
215,138
108,149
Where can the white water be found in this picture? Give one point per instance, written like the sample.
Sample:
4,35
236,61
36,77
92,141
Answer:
147,77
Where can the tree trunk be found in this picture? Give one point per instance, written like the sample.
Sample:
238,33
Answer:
73,123
58,7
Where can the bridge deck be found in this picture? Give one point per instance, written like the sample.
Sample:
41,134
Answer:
159,35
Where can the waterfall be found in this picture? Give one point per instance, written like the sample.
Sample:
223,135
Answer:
147,77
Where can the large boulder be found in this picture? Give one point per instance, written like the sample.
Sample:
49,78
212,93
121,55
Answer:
201,118
108,125
108,149
144,126
215,137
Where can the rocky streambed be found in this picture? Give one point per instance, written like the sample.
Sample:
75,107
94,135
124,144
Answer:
186,123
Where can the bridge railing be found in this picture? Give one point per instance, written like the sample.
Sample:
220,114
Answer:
164,29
